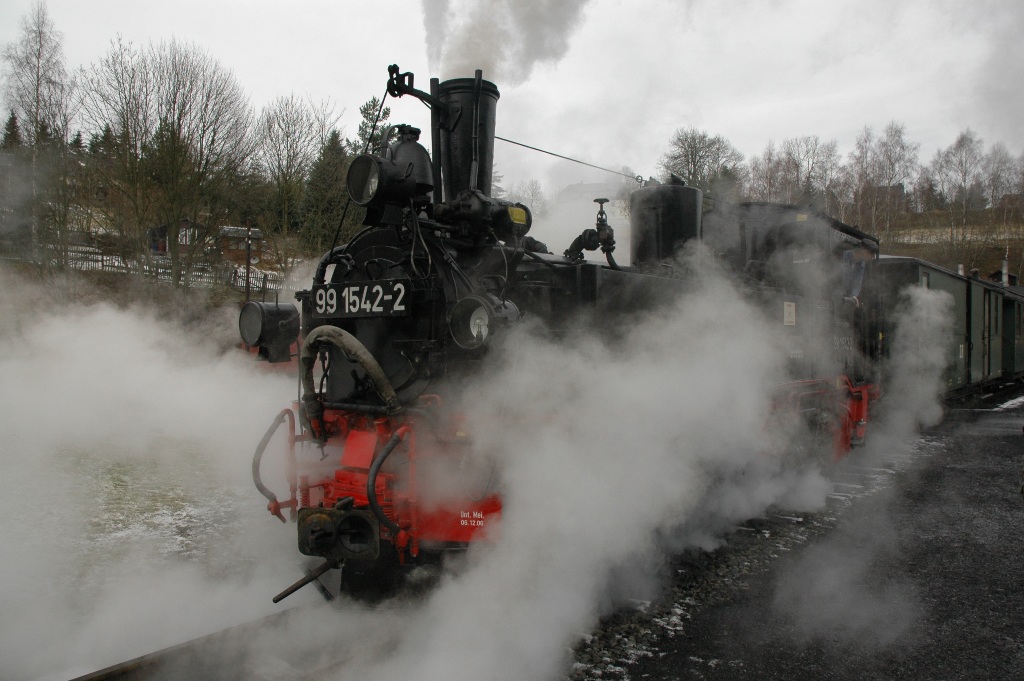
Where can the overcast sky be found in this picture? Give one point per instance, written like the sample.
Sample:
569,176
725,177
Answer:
608,81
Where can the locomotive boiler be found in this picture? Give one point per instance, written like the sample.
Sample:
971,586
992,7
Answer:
397,318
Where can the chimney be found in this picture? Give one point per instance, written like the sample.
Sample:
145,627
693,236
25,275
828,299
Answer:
467,143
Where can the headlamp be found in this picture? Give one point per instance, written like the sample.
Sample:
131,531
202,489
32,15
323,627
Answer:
271,327
474,317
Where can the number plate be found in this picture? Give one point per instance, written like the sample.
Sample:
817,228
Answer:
383,298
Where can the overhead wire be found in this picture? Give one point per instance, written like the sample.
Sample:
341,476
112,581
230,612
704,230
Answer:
637,178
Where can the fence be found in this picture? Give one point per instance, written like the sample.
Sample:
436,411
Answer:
201,275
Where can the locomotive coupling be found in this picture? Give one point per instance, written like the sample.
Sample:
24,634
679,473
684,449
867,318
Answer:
339,533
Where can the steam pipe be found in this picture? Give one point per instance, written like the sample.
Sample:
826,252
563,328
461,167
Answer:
371,481
435,140
474,167
257,458
325,262
361,408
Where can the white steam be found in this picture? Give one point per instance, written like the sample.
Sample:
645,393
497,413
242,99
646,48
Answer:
131,523
129,520
917,360
612,451
840,589
503,38
604,447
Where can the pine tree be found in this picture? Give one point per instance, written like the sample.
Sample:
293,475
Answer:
103,143
12,133
77,144
326,196
369,113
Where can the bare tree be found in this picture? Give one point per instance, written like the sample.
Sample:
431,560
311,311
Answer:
182,125
120,105
36,84
998,170
880,169
766,175
704,161
529,192
290,133
897,165
864,173
955,178
829,167
809,166
841,195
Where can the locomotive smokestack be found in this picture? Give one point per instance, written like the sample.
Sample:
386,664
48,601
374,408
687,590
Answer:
467,136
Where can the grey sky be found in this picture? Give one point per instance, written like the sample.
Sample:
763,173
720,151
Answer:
613,78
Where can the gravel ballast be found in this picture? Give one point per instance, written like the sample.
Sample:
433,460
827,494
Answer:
914,570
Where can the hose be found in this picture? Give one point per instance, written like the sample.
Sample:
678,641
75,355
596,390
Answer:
354,349
371,481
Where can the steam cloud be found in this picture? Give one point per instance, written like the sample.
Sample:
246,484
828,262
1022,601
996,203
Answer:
613,451
504,39
606,448
127,456
128,524
833,590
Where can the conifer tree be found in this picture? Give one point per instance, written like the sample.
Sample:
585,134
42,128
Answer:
326,197
12,133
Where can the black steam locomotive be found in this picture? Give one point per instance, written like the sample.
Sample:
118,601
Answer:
411,306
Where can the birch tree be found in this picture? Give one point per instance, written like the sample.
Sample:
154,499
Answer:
44,96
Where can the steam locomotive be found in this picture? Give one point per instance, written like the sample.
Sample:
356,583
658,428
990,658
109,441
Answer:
398,318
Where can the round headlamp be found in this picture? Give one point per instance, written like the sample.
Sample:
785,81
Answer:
363,179
470,322
475,317
270,327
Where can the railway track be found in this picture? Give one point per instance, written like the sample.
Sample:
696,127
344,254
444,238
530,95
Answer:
216,655
299,644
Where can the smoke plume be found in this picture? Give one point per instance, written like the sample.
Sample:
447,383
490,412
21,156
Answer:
504,39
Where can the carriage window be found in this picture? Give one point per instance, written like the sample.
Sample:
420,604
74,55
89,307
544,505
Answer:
926,280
